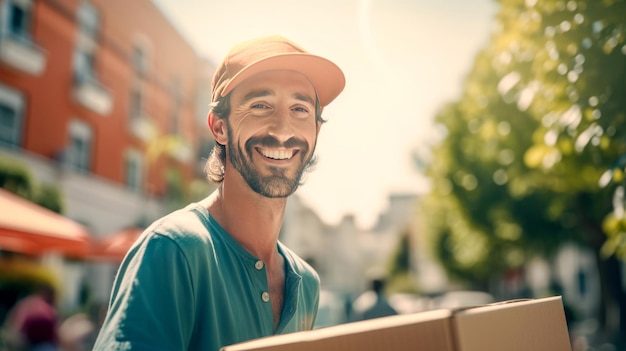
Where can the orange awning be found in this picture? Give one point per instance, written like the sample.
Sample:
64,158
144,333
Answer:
113,247
28,228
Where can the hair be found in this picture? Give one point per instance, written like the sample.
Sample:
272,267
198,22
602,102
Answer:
214,167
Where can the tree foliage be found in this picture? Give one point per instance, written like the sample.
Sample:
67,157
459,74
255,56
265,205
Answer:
399,275
400,259
529,154
17,178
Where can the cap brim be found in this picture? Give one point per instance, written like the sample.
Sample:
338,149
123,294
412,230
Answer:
326,77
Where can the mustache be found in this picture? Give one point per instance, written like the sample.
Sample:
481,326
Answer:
270,141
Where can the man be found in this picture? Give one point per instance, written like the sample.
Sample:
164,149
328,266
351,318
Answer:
214,273
33,320
372,303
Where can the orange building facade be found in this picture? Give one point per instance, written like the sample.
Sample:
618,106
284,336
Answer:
107,90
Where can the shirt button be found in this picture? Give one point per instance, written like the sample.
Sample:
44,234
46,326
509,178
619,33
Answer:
258,265
265,296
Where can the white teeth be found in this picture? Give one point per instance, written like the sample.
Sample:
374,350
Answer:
277,154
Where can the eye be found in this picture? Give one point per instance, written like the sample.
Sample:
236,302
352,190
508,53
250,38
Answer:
301,109
260,105
260,108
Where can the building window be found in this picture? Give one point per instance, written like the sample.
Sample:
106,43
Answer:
140,60
86,47
11,116
84,65
16,18
8,125
139,123
134,170
136,103
177,102
78,153
88,20
140,55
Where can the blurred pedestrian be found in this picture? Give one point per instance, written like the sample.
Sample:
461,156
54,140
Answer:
372,303
214,273
33,321
75,332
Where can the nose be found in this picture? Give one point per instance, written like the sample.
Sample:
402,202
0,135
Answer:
281,127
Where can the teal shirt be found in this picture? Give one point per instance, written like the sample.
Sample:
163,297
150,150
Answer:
186,284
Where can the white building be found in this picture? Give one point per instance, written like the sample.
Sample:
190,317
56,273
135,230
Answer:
345,255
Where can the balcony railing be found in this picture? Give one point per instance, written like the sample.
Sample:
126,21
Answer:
22,54
89,92
142,127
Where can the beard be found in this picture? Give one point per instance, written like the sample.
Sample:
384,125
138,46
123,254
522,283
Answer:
278,184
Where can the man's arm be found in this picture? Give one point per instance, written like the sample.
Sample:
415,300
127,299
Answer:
152,303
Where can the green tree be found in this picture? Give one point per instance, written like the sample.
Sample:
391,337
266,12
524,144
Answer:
17,178
399,267
49,197
529,154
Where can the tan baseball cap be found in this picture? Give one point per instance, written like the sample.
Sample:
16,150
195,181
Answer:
277,53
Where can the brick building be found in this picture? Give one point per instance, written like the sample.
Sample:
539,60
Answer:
106,89
106,100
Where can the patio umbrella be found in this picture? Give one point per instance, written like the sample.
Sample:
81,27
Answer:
113,247
28,228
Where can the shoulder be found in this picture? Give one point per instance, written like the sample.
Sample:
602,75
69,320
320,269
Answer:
179,241
183,232
186,227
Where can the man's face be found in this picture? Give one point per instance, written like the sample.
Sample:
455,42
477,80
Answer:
272,131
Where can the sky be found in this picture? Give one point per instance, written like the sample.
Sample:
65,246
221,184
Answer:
403,59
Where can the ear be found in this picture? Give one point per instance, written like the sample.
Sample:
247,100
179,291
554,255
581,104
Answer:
218,128
318,126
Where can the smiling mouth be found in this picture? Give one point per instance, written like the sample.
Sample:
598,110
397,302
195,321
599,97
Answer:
277,154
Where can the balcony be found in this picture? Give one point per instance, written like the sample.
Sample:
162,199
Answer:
22,54
142,127
90,93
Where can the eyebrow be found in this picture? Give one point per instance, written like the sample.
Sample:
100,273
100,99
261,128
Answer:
267,92
256,93
304,98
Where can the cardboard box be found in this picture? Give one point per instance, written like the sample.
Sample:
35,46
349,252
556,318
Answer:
519,325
